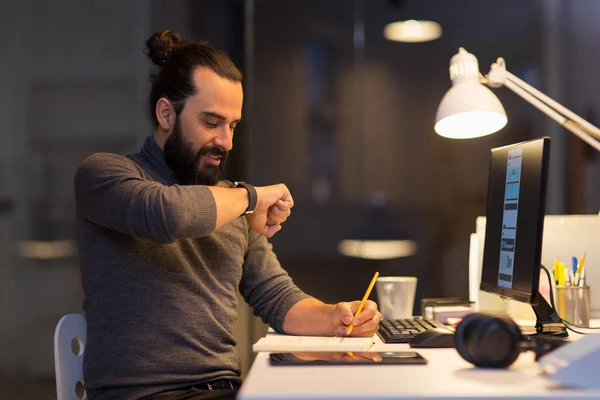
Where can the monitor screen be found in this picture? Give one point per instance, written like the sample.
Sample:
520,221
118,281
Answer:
516,205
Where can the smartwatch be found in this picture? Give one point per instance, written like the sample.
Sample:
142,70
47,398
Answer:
252,196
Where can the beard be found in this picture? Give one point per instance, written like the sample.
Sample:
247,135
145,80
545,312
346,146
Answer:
185,161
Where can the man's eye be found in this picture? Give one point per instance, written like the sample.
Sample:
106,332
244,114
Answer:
211,124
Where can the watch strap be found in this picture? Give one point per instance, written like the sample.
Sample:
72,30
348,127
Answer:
252,195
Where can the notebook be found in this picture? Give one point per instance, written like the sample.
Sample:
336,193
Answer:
286,343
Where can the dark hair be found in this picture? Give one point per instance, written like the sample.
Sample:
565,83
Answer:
178,58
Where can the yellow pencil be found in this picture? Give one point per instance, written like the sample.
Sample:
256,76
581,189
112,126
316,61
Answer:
364,300
579,269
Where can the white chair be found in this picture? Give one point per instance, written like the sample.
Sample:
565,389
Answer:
69,344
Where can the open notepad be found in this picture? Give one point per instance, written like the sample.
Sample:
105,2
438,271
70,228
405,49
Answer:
284,343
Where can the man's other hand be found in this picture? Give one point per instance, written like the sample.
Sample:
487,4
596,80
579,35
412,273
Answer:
273,207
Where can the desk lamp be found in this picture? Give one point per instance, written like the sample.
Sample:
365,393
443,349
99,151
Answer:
469,109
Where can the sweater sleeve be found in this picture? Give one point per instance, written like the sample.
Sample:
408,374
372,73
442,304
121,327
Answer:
265,285
111,191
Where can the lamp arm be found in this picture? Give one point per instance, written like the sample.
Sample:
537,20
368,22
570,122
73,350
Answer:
585,125
572,126
581,128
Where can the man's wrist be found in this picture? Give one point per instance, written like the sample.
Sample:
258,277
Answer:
252,195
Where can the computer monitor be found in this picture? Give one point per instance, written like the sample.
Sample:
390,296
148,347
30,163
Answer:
516,206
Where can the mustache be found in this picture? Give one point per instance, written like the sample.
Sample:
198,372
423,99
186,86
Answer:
214,151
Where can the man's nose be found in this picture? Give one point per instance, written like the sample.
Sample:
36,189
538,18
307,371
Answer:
225,139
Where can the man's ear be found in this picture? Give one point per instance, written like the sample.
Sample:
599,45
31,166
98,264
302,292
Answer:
165,114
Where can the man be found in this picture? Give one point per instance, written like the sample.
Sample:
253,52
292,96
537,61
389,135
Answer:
165,245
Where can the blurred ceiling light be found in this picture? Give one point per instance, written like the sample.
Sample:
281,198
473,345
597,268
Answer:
412,31
375,237
47,250
377,249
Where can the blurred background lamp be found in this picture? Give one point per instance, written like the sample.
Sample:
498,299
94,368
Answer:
412,31
469,109
375,238
377,249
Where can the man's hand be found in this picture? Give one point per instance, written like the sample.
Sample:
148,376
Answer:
312,317
273,207
365,324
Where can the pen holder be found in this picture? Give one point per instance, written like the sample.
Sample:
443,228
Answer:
573,304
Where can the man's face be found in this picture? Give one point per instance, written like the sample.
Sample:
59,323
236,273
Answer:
202,136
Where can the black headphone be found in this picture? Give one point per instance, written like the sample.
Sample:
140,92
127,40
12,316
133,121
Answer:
496,342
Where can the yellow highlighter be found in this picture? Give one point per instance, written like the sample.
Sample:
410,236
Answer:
364,300
562,281
555,271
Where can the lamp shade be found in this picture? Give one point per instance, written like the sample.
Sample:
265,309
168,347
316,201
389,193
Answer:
468,109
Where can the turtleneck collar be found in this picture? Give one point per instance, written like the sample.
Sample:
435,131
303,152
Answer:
155,156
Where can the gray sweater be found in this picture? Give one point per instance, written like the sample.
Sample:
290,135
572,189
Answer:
160,282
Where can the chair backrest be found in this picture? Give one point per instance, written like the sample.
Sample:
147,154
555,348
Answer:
70,339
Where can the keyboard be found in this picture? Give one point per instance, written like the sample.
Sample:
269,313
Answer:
403,330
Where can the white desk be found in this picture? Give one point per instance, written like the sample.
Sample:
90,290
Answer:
446,376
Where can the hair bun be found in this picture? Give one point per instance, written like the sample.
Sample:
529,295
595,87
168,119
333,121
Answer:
160,46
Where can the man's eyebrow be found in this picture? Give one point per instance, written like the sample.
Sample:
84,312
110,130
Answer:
217,116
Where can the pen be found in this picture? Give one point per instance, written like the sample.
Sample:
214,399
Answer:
364,300
579,270
582,277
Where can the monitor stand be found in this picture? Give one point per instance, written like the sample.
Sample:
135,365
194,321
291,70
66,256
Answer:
548,323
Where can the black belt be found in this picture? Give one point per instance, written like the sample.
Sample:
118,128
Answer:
218,384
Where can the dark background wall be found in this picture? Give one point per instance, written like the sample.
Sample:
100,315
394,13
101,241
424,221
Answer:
372,120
